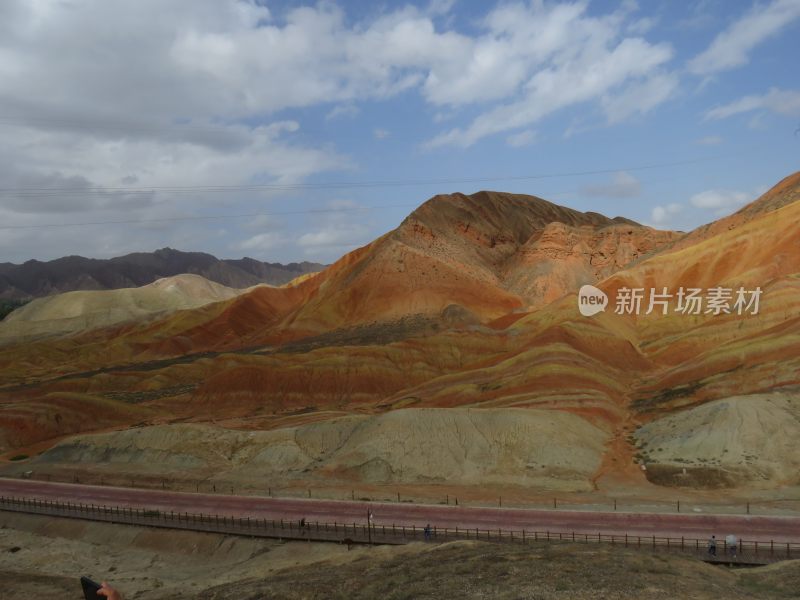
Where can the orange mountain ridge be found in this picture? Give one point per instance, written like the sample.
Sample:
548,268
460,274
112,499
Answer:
470,302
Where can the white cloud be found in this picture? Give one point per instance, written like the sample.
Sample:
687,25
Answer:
661,216
335,229
622,185
731,47
720,200
783,102
74,194
523,138
517,39
209,64
717,202
93,124
313,58
380,134
38,159
640,97
262,242
100,95
178,84
567,58
334,234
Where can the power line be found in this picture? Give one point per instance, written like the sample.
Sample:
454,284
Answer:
208,217
248,215
59,191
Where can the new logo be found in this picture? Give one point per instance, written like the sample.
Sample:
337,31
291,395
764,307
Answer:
591,300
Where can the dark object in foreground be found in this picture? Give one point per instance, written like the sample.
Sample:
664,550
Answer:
90,589
98,591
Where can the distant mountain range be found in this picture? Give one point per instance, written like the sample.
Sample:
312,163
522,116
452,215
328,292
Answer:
35,279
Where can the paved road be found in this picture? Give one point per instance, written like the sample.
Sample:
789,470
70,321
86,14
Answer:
750,528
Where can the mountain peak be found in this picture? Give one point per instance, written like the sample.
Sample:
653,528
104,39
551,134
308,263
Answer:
490,253
517,212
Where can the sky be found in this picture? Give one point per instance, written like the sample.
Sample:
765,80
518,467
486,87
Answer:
290,131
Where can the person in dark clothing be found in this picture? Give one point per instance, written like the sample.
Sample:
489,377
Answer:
427,531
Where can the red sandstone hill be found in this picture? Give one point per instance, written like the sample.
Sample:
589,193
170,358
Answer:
512,264
486,255
461,258
490,253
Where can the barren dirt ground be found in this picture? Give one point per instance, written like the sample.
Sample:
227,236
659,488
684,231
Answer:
43,557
